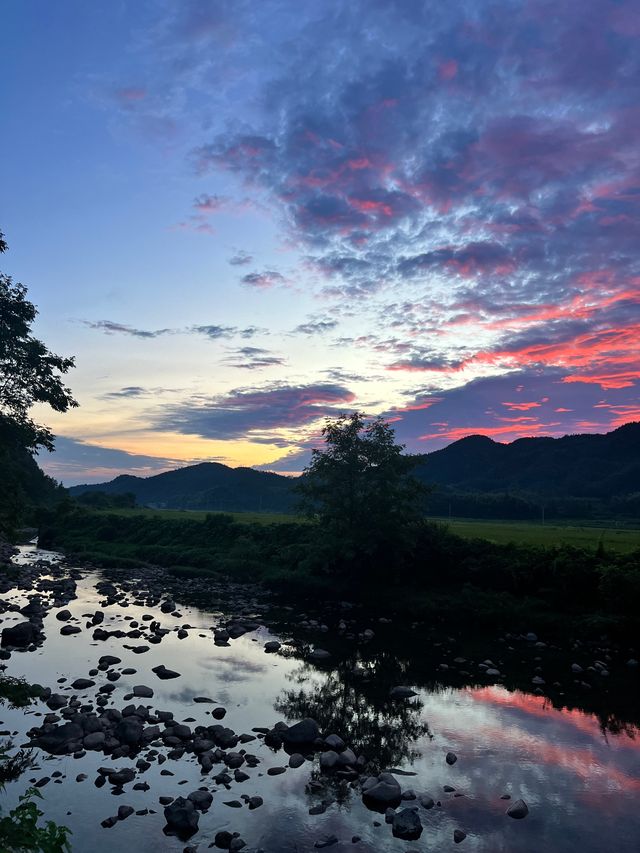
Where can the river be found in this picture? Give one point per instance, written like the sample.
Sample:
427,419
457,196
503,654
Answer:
579,777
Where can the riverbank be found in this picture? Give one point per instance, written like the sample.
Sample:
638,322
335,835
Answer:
444,578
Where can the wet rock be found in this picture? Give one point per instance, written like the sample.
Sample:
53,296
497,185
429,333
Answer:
63,615
108,822
121,777
201,799
181,817
108,660
459,835
296,760
20,635
223,839
407,825
142,691
124,812
67,630
451,758
129,730
83,684
518,810
255,803
272,646
329,759
402,692
335,742
426,801
304,732
319,655
275,771
163,673
381,792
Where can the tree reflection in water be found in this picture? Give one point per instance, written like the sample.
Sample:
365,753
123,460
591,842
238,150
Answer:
358,708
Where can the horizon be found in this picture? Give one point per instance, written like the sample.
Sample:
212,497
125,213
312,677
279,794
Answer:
241,221
295,474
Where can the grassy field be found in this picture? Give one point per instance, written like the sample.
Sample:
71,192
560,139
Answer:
530,533
501,532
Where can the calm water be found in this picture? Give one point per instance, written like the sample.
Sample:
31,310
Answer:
582,785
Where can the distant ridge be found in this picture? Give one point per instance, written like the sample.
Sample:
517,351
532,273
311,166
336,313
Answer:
591,466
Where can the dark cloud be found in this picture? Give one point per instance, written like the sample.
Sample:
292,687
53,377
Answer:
257,413
128,391
316,327
215,332
240,259
111,328
253,358
263,280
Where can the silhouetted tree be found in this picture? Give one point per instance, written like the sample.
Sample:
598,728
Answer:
360,491
29,372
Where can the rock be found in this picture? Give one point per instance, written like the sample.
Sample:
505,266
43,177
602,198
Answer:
255,803
382,792
108,822
83,684
67,630
272,646
459,835
129,730
201,799
518,810
296,760
163,673
335,742
121,777
108,660
575,667
223,839
124,812
402,692
94,740
142,691
63,615
20,635
319,655
329,759
537,679
406,825
181,817
531,637
451,758
426,801
304,732
275,771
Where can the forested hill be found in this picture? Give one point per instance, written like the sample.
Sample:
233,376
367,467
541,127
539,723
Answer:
209,485
594,466
598,467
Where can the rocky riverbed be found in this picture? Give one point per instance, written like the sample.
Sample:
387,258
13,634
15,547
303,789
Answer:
187,714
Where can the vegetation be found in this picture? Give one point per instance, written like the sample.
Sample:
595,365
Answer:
29,374
360,493
20,831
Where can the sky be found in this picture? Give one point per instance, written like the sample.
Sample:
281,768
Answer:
242,218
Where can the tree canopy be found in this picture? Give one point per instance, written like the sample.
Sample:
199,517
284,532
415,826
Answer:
360,490
29,372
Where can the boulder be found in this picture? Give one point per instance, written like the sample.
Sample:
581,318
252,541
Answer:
20,635
518,810
201,799
304,732
181,817
402,692
406,825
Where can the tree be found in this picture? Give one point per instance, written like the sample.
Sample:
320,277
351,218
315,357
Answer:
29,372
360,491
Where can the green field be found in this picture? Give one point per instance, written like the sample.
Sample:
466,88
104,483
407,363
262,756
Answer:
622,540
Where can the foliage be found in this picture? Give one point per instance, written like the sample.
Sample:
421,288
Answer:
20,832
19,829
102,500
360,492
29,372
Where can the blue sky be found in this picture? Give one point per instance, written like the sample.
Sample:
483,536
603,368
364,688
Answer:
243,217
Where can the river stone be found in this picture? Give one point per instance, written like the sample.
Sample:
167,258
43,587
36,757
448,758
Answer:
296,760
255,803
381,793
271,646
451,758
181,817
201,799
304,732
63,615
94,740
20,635
142,691
163,673
129,730
124,812
108,660
319,655
518,810
402,692
83,684
426,801
335,742
459,835
67,630
406,825
329,759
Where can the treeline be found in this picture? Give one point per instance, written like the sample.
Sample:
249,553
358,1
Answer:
441,575
522,507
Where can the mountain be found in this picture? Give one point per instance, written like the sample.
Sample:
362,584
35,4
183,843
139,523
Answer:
578,467
209,485
584,465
